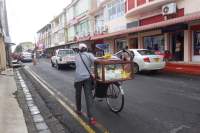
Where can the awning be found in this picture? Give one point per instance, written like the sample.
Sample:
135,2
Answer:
61,45
173,28
83,39
184,19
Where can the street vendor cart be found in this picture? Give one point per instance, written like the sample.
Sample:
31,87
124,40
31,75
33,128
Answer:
109,75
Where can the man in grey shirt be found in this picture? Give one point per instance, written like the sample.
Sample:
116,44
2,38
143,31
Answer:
83,80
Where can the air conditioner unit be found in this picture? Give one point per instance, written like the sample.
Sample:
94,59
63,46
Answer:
169,9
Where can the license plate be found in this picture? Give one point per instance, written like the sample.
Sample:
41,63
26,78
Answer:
156,59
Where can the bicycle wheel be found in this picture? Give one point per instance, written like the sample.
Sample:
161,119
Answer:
115,98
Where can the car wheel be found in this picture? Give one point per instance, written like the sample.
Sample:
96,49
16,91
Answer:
57,66
52,64
136,68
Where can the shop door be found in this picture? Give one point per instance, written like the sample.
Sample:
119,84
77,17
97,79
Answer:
178,46
133,43
196,46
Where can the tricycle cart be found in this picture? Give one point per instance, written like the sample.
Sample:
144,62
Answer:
109,75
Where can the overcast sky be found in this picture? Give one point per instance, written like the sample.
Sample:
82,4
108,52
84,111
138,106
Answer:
26,17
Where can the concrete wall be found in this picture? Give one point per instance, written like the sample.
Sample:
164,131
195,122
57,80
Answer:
2,54
189,6
4,33
116,24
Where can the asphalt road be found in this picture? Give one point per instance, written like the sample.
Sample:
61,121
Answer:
154,103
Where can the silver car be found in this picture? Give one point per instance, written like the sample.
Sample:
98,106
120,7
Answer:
26,57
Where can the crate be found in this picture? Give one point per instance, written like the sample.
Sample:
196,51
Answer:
108,70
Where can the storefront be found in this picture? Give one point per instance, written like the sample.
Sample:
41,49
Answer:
133,42
177,45
155,43
196,44
176,40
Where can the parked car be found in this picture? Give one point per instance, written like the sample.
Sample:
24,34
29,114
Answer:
26,57
145,60
63,57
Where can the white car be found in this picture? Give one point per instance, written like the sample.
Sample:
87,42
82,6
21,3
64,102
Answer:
145,60
63,57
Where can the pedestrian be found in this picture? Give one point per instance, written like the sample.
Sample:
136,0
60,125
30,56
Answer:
127,55
178,50
83,80
34,57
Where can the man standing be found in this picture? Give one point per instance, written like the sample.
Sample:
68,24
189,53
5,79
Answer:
178,50
126,54
34,57
84,61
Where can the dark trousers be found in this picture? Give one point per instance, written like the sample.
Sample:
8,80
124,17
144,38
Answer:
87,86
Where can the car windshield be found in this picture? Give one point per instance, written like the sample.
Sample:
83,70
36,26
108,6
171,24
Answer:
66,52
146,52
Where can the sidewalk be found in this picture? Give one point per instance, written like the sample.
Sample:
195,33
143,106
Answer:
183,68
11,116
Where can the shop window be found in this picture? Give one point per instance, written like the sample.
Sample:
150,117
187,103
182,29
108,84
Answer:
196,46
82,29
116,9
120,44
155,43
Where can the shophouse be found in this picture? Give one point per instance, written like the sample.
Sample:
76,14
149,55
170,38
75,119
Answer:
70,13
58,32
154,24
71,26
44,37
78,22
171,26
110,18
4,36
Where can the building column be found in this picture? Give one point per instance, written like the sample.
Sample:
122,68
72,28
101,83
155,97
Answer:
187,42
92,25
166,38
2,54
140,41
135,3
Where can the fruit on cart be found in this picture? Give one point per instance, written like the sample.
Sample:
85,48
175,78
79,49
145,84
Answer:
107,56
125,74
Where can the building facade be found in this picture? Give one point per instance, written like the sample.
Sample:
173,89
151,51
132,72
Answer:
160,25
78,22
58,30
168,36
44,38
4,36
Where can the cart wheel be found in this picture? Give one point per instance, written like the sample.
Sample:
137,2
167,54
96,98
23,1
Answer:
115,98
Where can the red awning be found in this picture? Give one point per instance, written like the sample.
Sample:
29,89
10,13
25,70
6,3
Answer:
184,19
